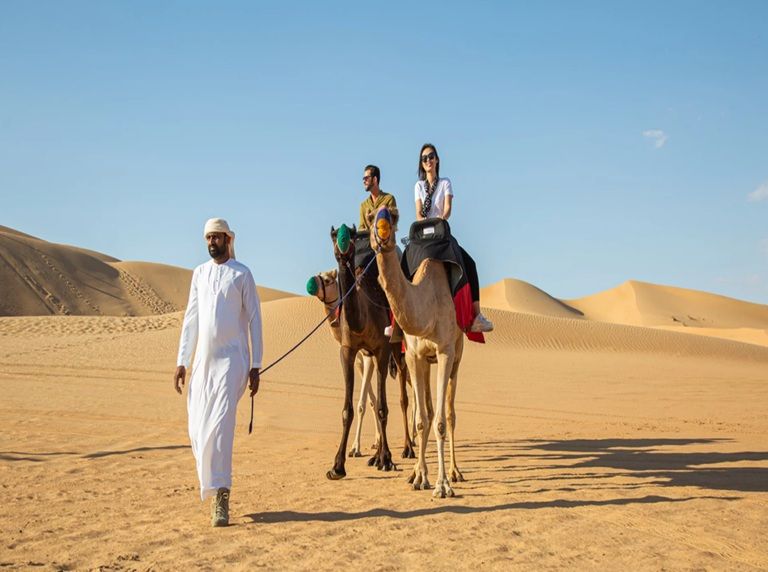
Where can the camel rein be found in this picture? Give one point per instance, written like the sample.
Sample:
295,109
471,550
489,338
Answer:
312,331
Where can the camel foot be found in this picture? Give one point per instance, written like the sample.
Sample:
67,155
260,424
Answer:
335,474
409,452
418,481
385,463
442,489
355,452
456,476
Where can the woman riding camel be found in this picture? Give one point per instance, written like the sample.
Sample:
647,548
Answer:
434,199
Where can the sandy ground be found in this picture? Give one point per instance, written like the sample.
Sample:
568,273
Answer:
585,445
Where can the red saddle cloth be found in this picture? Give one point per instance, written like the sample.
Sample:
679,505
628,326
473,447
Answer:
464,315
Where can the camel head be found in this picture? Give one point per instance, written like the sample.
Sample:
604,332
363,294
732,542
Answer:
383,225
324,286
343,245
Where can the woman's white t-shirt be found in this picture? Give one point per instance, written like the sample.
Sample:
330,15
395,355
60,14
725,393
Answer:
438,197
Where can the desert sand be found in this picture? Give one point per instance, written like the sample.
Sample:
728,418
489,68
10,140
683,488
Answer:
625,430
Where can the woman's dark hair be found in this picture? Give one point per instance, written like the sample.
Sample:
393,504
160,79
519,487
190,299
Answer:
422,172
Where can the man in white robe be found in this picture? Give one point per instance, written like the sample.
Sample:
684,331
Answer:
223,312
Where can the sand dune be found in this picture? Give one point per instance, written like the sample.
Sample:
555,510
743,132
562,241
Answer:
585,445
589,440
519,296
44,278
643,304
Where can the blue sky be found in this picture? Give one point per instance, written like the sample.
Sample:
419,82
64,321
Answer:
588,142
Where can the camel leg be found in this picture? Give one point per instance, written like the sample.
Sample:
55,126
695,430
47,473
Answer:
384,455
454,474
413,413
364,365
373,404
420,379
348,367
444,366
428,393
402,375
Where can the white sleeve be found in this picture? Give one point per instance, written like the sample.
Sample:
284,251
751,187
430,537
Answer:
417,192
252,306
189,330
448,188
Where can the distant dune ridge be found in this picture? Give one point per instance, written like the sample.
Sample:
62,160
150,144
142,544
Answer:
635,303
42,278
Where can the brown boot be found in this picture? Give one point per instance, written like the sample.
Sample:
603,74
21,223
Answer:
220,508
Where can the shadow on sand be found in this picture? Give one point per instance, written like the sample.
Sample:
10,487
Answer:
100,454
582,465
33,457
653,460
40,457
337,516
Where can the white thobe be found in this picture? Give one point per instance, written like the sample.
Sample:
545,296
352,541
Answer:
222,312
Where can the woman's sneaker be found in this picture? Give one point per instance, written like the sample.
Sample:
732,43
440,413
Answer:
481,324
220,508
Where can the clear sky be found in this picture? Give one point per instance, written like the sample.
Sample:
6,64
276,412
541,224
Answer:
588,143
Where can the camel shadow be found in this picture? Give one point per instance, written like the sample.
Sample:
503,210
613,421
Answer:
635,458
339,516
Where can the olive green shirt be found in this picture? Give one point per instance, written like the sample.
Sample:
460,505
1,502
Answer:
368,205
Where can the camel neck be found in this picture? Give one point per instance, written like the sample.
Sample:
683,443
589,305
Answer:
402,295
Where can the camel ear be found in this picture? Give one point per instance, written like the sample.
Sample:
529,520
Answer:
395,216
369,216
333,233
334,273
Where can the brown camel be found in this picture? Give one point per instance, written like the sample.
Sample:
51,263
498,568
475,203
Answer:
362,321
425,311
325,286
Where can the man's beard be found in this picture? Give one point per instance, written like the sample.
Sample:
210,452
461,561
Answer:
215,251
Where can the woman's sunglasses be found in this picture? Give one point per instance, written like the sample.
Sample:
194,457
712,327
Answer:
428,157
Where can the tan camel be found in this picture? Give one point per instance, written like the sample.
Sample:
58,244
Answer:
425,311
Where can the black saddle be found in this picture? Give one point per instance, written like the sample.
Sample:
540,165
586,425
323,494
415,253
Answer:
363,251
432,238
